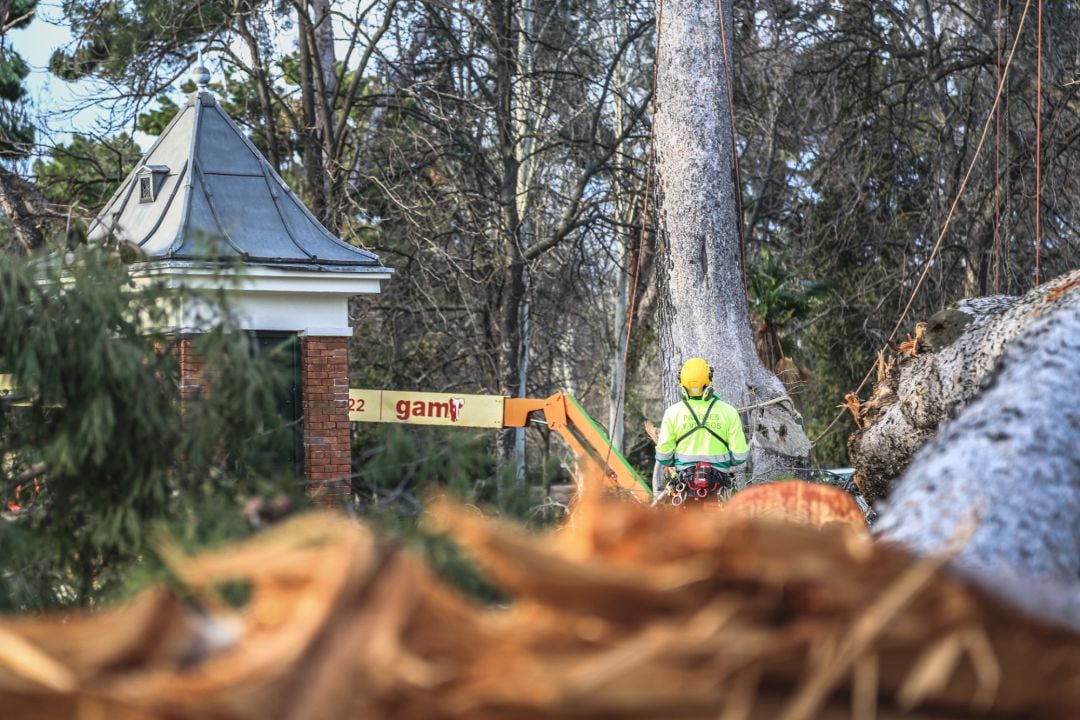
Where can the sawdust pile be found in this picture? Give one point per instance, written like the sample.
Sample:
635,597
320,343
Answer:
623,613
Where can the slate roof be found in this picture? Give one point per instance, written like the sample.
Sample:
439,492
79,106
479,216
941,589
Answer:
216,198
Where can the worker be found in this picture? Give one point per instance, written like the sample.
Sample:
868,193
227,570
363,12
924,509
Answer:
701,436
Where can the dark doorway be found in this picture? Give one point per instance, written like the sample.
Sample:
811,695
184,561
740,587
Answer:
285,442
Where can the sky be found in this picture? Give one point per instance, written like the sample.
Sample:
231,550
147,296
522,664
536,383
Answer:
64,108
59,103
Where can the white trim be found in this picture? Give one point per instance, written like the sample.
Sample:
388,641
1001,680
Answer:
256,278
326,332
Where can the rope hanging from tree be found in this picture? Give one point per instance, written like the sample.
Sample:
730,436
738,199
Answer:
1038,144
635,259
997,163
948,218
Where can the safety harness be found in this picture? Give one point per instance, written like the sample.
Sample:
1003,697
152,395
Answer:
701,424
700,480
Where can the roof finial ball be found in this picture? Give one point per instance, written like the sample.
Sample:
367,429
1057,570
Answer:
200,75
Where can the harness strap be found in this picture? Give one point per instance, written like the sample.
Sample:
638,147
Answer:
700,424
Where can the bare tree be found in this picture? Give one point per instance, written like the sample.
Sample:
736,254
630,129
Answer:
508,121
703,309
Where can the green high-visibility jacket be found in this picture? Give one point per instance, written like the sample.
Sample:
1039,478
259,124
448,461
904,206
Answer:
701,430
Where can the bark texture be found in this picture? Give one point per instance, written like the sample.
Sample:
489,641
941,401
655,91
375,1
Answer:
957,358
702,307
1003,478
27,211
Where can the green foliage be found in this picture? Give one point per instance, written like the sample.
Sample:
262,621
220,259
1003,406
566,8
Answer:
145,39
778,295
16,131
154,120
13,70
17,14
86,170
94,437
395,461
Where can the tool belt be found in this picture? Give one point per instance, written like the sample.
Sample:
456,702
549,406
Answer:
698,482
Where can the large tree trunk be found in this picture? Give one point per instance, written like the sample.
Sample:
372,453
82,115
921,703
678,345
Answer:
961,349
1002,480
703,309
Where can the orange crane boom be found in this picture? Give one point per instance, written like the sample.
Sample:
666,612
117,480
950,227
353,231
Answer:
564,414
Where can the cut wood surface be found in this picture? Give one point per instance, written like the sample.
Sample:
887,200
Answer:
624,612
797,501
950,367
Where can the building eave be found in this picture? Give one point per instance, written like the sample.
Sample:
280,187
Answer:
261,278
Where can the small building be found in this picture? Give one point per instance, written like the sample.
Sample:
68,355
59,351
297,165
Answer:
204,206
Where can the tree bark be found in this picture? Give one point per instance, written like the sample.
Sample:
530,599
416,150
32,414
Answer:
962,349
514,292
703,308
262,85
624,211
1003,478
314,172
26,210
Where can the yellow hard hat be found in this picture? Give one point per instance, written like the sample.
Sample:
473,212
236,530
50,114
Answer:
695,377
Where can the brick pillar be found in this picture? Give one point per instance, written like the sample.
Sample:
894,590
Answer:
327,451
191,366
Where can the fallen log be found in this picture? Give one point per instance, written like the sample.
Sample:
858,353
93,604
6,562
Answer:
1004,476
942,371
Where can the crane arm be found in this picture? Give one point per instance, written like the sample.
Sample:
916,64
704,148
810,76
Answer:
564,414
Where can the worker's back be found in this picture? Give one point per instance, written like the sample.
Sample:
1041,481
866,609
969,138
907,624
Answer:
702,429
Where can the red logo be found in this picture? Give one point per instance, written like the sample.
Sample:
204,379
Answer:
455,408
451,410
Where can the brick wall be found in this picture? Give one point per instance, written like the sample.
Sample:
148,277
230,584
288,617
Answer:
327,452
191,366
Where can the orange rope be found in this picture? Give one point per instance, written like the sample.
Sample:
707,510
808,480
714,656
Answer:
1038,145
635,265
997,169
734,149
948,218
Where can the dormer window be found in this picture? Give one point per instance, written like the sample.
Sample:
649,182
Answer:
146,188
150,179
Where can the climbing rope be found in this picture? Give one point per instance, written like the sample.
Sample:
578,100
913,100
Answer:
1038,143
997,166
774,401
948,218
635,263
